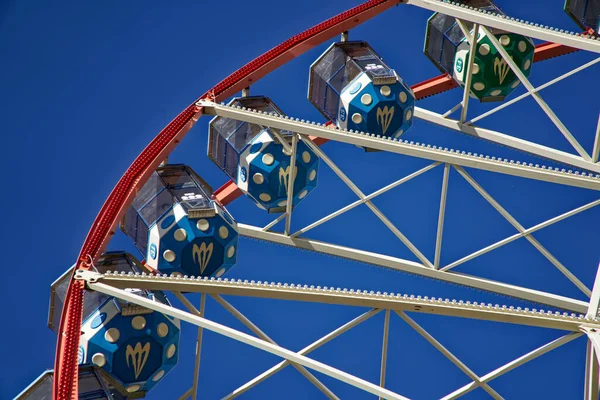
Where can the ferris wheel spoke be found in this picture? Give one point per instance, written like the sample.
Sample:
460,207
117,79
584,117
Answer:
368,203
564,270
506,140
537,97
514,364
433,153
455,360
348,297
399,264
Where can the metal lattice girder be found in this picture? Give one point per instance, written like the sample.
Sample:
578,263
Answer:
476,379
399,264
347,297
258,332
308,349
514,364
429,152
582,42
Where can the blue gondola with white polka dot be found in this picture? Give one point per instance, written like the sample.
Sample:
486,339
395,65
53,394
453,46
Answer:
135,346
352,86
255,158
176,225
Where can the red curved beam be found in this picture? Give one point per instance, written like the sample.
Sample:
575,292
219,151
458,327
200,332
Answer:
65,386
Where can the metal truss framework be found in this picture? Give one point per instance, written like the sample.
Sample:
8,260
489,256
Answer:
65,385
114,285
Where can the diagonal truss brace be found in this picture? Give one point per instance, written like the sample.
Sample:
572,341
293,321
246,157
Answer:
313,346
258,332
369,203
476,379
514,364
564,270
363,200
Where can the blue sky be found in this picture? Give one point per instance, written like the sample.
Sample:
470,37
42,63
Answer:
86,85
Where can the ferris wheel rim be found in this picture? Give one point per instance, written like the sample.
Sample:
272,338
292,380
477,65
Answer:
104,224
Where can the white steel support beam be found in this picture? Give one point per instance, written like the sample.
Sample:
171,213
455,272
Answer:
384,349
452,110
368,203
431,152
247,339
290,181
564,270
287,149
455,360
536,96
258,332
529,93
274,222
594,308
360,298
193,391
362,201
416,268
506,140
467,89
590,391
440,227
596,151
313,346
526,232
514,364
508,24
466,32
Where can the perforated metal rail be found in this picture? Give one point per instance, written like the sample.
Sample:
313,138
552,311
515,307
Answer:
348,297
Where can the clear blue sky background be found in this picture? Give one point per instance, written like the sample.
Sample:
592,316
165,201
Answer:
84,86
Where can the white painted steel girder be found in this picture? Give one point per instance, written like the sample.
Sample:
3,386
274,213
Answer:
429,152
548,34
348,297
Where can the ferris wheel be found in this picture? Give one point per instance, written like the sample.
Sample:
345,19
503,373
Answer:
116,314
